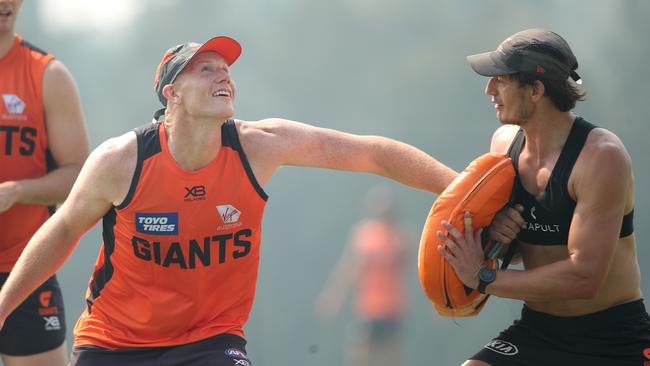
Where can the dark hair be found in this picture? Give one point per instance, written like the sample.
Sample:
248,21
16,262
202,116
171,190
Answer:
563,93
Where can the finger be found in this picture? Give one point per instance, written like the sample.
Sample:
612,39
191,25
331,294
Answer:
501,224
452,230
467,221
506,230
477,235
515,216
502,238
445,254
451,245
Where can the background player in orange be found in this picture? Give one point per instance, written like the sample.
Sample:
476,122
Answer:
43,143
575,197
373,265
182,201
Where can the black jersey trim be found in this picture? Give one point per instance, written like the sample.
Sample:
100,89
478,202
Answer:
50,165
104,273
33,48
148,140
561,172
230,138
627,228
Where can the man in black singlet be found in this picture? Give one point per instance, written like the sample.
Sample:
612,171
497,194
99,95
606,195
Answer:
572,219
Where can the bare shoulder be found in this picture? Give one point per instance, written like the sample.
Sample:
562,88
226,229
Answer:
271,136
605,163
55,74
269,128
258,129
112,164
604,147
502,138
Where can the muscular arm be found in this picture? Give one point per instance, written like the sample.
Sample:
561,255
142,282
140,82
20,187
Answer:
67,140
601,189
101,182
282,142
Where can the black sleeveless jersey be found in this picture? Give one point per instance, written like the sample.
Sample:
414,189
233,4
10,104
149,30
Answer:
550,213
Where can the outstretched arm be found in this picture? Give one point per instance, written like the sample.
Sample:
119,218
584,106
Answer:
276,142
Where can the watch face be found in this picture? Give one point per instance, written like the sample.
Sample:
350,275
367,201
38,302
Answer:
487,274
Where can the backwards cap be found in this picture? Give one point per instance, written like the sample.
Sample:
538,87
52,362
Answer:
177,57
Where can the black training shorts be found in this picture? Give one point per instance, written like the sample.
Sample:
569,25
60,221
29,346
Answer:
220,350
38,324
618,336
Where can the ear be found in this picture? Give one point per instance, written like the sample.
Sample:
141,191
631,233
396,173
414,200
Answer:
170,93
537,90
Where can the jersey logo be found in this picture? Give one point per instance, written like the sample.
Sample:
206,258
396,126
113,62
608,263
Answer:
45,297
502,347
157,223
14,104
52,322
229,214
234,352
196,193
532,212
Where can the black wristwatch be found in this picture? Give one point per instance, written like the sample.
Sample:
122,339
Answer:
486,276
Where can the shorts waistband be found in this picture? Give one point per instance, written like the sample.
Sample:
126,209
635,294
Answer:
600,319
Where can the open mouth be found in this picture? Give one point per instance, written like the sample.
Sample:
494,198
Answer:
221,93
6,13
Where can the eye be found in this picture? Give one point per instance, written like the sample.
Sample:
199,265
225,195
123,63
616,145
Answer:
207,68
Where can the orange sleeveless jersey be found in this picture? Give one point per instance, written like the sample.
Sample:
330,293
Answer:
180,255
23,142
380,250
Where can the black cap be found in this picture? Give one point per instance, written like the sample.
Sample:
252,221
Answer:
177,57
533,51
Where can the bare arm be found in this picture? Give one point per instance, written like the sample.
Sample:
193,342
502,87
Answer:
277,142
101,182
67,139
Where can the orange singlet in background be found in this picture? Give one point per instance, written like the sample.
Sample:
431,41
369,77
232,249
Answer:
380,291
23,142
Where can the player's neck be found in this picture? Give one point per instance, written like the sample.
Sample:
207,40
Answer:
193,144
547,133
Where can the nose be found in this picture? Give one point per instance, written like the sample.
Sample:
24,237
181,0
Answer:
490,87
223,75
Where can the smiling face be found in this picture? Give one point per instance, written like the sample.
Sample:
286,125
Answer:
204,88
511,101
8,14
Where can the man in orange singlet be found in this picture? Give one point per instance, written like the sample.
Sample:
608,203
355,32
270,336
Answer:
182,202
574,196
373,265
43,144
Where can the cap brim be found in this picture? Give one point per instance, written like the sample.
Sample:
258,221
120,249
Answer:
226,47
488,64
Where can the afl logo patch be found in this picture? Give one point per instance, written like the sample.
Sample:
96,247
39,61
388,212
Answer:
234,352
502,347
157,223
